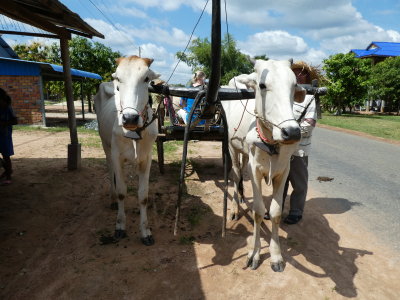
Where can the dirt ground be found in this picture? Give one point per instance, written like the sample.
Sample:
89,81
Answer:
51,221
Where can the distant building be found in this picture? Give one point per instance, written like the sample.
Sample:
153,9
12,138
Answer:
378,51
23,81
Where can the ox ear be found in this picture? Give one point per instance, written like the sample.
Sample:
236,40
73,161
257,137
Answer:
148,61
252,60
299,94
118,60
250,80
152,75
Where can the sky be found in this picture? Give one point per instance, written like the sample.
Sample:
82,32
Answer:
307,30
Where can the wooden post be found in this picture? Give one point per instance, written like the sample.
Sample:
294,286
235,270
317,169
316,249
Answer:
74,149
82,101
209,109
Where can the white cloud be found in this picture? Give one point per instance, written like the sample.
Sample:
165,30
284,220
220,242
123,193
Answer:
173,37
116,38
359,40
273,44
168,5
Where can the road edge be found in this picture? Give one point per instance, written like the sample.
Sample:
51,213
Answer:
358,133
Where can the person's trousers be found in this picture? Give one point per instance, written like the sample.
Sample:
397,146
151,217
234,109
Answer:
298,178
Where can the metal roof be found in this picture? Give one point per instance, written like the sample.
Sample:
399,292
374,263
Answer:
384,49
6,50
49,15
9,66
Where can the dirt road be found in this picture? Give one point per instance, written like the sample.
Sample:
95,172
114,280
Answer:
51,221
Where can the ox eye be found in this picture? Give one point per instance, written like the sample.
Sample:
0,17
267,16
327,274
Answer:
146,79
262,86
117,88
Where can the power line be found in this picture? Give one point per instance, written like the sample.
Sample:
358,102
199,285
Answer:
190,39
110,21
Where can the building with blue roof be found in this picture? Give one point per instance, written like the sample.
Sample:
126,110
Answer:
23,81
378,51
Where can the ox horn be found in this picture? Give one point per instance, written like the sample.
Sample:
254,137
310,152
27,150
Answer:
251,59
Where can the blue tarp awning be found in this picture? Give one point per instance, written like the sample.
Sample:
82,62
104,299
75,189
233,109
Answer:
10,66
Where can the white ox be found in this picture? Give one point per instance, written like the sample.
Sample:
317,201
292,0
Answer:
128,133
264,133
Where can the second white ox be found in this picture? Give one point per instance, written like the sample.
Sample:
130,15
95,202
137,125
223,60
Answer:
128,133
264,133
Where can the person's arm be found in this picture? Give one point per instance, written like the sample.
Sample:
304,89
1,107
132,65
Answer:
12,120
309,121
183,102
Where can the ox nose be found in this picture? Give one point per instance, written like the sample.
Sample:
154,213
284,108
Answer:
291,134
130,119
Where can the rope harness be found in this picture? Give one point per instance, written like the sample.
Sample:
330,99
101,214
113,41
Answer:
146,123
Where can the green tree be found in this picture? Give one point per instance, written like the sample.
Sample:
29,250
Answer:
385,82
34,52
347,80
233,62
91,57
84,55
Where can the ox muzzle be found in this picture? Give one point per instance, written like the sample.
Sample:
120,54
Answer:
291,134
130,121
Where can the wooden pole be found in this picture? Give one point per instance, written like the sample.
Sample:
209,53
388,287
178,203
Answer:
74,149
208,111
82,102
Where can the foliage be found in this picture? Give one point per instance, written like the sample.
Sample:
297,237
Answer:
34,52
84,55
233,62
347,81
385,81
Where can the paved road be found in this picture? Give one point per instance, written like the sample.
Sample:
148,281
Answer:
366,176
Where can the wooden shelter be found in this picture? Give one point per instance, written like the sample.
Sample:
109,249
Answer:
59,22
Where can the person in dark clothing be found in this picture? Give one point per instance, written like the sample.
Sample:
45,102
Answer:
7,120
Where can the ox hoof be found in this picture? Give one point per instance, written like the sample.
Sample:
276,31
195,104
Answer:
120,234
278,266
114,206
241,200
148,240
252,263
234,217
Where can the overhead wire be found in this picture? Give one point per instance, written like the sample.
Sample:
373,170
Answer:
110,21
234,78
190,39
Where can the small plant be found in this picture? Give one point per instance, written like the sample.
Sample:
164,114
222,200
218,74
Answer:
186,240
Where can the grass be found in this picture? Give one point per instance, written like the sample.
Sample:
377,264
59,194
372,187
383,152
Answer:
384,126
170,147
90,139
91,142
80,129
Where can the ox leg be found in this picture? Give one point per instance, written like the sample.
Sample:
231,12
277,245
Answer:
113,198
120,191
245,160
143,194
253,257
275,211
237,183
